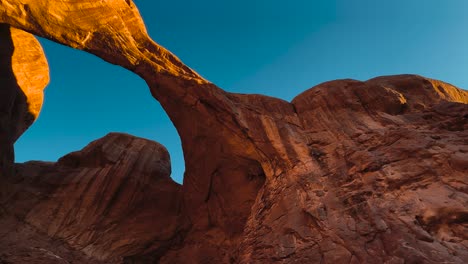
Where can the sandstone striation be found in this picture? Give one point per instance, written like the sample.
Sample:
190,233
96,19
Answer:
348,172
111,199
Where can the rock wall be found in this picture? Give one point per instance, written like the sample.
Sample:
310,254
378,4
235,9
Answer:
113,198
348,172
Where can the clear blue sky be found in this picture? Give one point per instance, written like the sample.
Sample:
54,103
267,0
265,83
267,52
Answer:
278,48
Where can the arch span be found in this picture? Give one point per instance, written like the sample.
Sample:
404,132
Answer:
268,180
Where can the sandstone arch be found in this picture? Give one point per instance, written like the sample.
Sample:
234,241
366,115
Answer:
338,174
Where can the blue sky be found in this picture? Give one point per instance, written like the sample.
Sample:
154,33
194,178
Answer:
278,48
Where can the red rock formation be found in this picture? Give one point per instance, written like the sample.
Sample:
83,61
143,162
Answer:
111,199
348,172
381,154
382,179
23,76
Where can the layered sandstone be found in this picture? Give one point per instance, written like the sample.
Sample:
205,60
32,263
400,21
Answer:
348,172
113,198
383,180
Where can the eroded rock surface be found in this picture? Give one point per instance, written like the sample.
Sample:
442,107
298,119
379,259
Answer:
380,163
111,199
348,172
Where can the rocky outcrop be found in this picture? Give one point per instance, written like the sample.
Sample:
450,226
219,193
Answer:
113,198
348,172
23,76
349,169
380,160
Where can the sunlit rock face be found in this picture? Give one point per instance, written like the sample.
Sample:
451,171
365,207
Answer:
23,76
111,29
348,172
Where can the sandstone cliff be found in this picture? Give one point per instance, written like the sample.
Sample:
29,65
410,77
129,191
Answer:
348,172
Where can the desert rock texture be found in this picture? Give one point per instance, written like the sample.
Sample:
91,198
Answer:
348,172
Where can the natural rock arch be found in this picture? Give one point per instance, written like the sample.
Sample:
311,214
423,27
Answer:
305,181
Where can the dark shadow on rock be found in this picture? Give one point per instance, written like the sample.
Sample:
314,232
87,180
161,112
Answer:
14,113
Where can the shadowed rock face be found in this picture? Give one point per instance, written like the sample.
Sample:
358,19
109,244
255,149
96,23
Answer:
348,172
23,76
